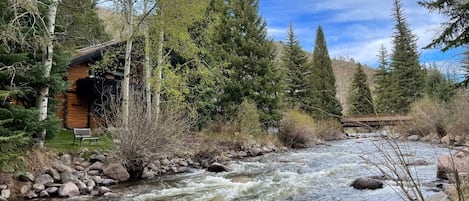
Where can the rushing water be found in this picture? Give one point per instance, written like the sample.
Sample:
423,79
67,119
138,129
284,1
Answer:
319,173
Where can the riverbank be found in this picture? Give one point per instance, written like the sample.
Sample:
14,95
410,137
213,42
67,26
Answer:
82,172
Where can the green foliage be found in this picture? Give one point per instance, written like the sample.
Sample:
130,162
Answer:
455,32
383,83
360,99
247,119
323,94
78,24
297,130
437,87
299,78
240,42
406,72
465,66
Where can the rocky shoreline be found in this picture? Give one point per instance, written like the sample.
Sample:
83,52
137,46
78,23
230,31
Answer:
68,176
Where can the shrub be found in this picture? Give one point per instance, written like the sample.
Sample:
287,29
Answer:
457,122
329,130
147,137
429,116
297,130
247,119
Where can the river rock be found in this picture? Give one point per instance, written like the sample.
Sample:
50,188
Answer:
69,189
93,172
97,179
108,182
44,194
242,154
366,183
103,190
66,159
52,190
44,179
79,168
5,193
204,163
165,162
413,138
255,151
111,195
81,186
91,183
31,195
183,163
116,171
68,176
97,157
241,179
25,176
217,167
3,187
38,187
24,189
417,162
98,165
448,164
85,164
54,173
60,166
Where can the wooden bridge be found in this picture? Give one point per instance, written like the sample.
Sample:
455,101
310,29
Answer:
375,120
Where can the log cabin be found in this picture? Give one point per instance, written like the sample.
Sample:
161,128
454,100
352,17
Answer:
80,103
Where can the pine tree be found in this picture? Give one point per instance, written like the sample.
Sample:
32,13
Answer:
241,41
455,31
360,99
298,76
78,24
438,87
325,102
465,66
382,80
406,71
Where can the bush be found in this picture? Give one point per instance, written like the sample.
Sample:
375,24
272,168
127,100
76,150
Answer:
147,137
429,117
457,122
247,119
297,130
330,130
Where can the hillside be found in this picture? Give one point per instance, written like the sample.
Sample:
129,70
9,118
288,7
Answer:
343,71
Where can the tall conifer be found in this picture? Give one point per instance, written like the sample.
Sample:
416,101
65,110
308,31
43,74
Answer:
298,76
325,102
241,41
406,71
360,99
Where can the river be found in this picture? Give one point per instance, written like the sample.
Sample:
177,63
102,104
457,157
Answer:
323,172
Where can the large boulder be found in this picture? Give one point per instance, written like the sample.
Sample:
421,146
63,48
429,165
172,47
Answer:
413,138
97,166
26,176
217,167
367,183
448,165
116,171
60,166
69,189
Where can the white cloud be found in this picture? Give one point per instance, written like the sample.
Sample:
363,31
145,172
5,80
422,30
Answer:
352,28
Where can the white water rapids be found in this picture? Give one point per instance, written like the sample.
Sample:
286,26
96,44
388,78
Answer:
323,172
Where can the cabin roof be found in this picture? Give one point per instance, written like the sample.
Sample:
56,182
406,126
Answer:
91,53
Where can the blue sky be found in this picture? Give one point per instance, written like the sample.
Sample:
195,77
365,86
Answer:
355,28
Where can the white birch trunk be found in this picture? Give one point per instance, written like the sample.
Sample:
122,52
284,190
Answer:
128,51
43,97
147,61
159,78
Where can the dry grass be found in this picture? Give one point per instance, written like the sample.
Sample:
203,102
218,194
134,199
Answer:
297,130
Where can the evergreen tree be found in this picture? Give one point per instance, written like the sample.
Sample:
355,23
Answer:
438,87
382,80
240,40
455,31
295,62
360,99
406,71
323,93
465,66
78,24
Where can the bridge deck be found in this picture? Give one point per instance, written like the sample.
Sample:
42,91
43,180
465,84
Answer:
374,121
